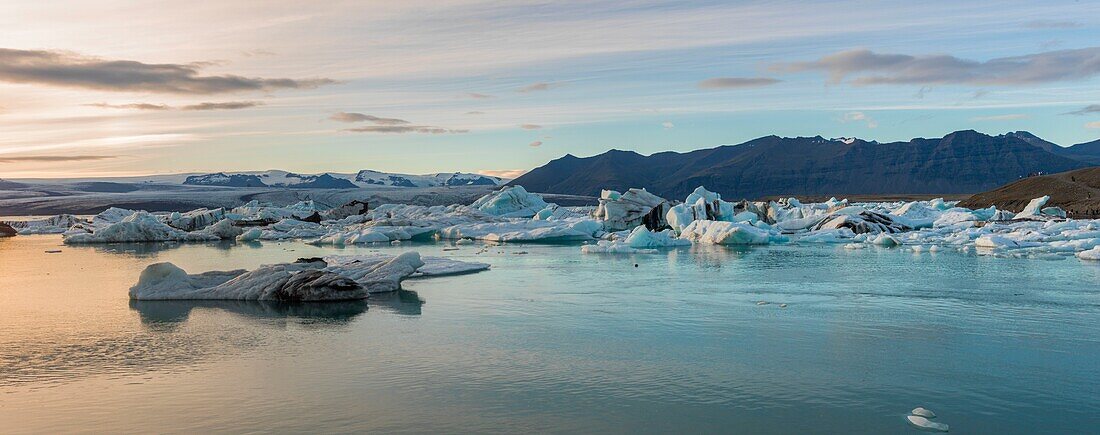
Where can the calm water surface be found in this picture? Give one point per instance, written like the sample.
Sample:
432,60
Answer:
556,341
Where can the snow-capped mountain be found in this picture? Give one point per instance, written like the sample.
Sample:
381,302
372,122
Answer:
328,180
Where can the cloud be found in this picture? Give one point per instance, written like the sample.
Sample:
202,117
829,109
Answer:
530,126
1091,108
536,87
869,68
135,106
536,144
401,129
859,117
359,117
1009,117
981,93
18,159
922,92
667,124
475,112
1093,124
503,173
228,105
257,53
1051,24
736,82
66,69
478,96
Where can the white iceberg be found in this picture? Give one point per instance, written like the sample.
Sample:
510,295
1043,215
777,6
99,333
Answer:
724,233
1091,254
303,281
1034,208
137,227
630,209
511,201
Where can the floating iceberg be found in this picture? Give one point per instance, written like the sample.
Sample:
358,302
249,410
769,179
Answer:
137,227
512,201
643,238
628,210
304,281
724,233
51,225
1091,254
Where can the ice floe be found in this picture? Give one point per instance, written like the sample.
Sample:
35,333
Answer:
306,280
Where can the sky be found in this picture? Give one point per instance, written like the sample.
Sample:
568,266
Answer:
116,88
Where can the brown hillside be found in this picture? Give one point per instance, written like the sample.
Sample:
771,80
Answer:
1077,192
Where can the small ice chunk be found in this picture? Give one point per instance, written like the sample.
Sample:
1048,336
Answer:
924,423
922,412
1091,254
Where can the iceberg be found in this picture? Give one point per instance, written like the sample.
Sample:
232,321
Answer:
630,209
511,201
860,221
51,225
724,233
308,280
1034,208
1091,254
137,227
433,266
644,238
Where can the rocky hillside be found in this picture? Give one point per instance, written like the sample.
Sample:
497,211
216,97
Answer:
1076,192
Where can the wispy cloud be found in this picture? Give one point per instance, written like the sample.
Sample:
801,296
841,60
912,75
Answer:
132,106
66,69
1093,124
1051,24
530,126
399,129
475,112
478,96
1008,117
1091,108
667,124
736,82
360,117
870,68
537,87
228,105
535,144
503,173
859,117
62,158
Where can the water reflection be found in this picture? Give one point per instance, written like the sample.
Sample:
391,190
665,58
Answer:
401,302
151,249
166,315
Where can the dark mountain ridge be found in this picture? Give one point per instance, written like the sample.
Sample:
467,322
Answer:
961,162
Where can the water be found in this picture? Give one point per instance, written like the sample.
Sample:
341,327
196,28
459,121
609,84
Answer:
556,341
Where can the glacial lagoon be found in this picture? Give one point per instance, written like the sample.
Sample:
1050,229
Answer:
689,339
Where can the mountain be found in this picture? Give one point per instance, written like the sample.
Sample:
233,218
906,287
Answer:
960,162
1086,152
365,178
1077,192
221,179
4,184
